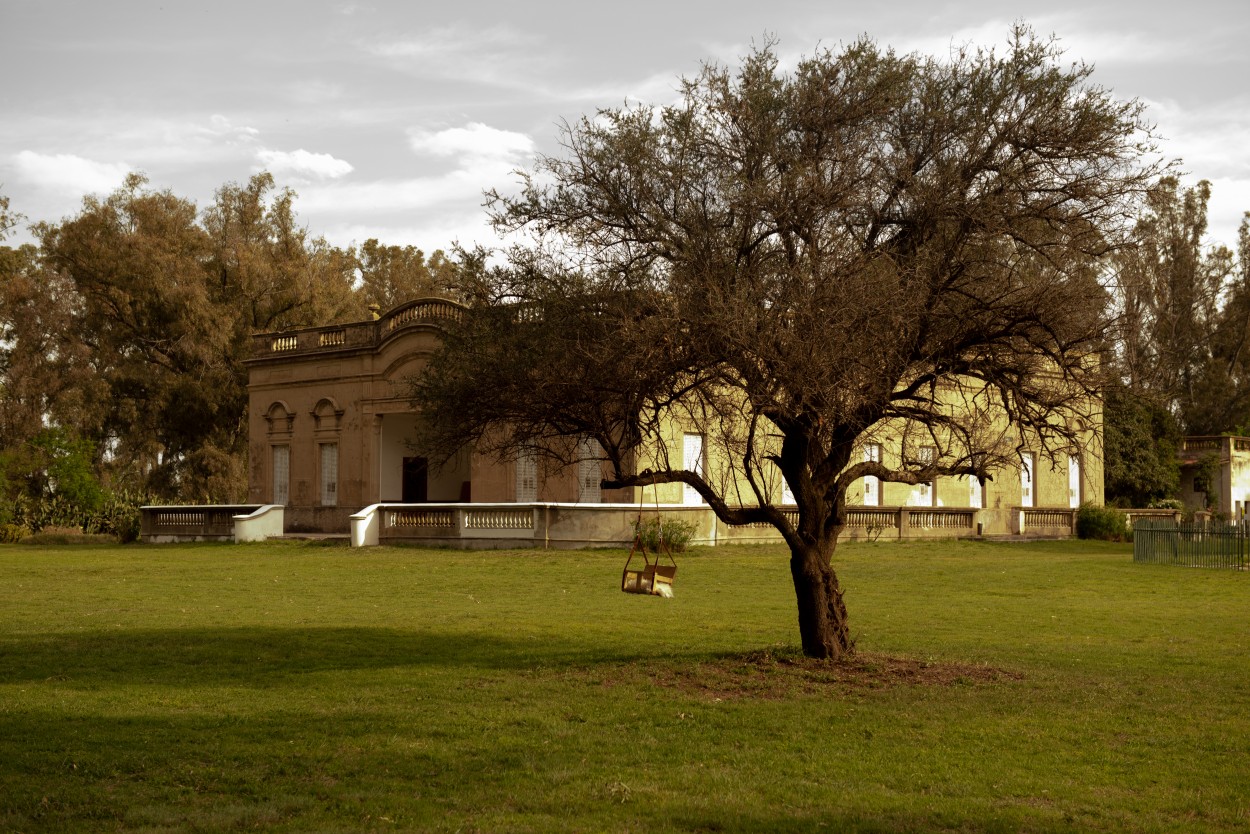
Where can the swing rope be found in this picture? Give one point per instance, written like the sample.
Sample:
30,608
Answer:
653,578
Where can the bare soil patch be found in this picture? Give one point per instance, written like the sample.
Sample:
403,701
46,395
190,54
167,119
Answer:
766,675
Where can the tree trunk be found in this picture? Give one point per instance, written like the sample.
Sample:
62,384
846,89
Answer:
823,625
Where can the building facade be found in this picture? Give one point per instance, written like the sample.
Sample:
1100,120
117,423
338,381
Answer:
1215,474
330,420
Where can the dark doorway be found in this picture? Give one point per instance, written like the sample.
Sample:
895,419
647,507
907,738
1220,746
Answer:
416,480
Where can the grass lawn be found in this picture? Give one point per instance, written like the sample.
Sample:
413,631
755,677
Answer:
294,687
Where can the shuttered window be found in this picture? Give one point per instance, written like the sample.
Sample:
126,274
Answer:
329,474
526,478
589,472
281,474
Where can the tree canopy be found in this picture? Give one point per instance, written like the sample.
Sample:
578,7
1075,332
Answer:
795,260
125,330
1179,362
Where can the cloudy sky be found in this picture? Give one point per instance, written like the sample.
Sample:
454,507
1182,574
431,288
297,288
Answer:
390,118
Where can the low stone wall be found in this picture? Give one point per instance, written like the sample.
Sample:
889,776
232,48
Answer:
211,522
546,525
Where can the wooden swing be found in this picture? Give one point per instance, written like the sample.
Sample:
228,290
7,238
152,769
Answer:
651,577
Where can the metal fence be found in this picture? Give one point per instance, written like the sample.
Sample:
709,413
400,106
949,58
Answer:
1195,545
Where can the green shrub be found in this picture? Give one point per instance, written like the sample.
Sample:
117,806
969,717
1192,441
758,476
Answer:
1102,523
1167,504
677,533
67,535
118,516
10,533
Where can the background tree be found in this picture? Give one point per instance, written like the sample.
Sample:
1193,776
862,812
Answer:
145,307
792,262
1219,399
1171,285
1180,362
1141,439
390,275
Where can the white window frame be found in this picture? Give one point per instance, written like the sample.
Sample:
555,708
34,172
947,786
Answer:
1074,482
1028,480
872,484
925,492
693,459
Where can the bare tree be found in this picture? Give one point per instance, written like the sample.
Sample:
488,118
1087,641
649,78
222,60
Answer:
795,262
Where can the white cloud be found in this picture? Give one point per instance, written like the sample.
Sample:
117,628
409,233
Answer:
474,141
415,193
1079,37
304,164
1230,200
70,173
497,56
457,41
1210,139
221,127
442,206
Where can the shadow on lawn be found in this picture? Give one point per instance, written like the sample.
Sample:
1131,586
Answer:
261,656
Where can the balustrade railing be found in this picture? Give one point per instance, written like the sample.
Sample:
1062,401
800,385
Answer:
417,518
499,519
223,522
941,519
357,334
872,519
1039,518
424,311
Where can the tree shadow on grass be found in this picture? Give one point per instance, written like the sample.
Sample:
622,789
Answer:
261,656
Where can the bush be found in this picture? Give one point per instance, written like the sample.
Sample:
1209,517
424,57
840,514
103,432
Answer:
677,533
1167,504
115,515
1103,523
67,535
10,533
118,516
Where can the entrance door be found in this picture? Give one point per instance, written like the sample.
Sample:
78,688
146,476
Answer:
416,480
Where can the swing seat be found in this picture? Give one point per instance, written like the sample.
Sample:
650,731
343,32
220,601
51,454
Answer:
654,579
651,577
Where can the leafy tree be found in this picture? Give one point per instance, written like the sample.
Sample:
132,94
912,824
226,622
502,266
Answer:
390,275
44,368
165,302
269,268
67,468
1140,440
136,263
794,262
1171,286
1219,399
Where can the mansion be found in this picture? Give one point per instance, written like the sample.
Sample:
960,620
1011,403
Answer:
330,422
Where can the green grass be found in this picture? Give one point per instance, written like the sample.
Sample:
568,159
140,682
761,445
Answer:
286,687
